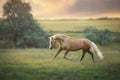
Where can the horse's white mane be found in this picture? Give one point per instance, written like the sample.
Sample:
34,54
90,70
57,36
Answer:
60,36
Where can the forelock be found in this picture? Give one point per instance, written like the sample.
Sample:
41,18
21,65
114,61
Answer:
52,37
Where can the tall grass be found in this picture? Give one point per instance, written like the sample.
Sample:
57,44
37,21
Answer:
36,64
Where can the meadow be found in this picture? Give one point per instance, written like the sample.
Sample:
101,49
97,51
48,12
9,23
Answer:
79,25
36,64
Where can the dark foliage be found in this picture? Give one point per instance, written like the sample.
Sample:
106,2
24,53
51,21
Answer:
18,25
101,37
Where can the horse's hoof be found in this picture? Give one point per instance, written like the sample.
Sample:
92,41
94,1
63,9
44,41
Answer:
52,60
68,58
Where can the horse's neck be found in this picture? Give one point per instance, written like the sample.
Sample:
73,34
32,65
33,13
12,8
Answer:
60,40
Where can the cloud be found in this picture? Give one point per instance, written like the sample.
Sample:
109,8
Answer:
72,8
95,8
46,8
75,8
1,7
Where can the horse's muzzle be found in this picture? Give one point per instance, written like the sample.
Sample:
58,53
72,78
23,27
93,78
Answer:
51,48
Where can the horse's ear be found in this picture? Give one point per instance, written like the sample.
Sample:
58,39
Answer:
50,37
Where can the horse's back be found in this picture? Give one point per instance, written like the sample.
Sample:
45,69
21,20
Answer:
77,44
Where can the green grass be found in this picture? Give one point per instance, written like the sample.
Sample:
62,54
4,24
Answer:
79,25
36,64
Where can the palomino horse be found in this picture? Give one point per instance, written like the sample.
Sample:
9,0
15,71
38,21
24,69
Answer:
69,44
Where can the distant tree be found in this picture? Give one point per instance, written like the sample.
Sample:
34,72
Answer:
1,29
98,36
20,26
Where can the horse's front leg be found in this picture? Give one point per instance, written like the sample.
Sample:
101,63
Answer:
66,54
59,50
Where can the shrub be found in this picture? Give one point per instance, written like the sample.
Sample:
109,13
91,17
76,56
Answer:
100,37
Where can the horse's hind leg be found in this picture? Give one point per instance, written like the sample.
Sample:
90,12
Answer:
91,55
83,54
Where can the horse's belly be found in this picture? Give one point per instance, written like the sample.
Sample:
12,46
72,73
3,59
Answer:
75,46
71,47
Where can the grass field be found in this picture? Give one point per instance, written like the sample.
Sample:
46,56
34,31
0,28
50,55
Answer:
79,25
36,64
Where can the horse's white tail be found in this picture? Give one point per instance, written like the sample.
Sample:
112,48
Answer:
97,51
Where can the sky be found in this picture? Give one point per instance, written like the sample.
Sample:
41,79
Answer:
73,8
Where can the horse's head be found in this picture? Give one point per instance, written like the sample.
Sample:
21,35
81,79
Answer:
52,42
56,37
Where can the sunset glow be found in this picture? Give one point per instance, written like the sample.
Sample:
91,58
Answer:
72,8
